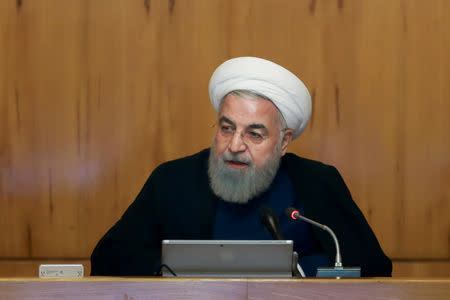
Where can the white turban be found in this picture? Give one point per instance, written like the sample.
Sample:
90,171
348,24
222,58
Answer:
266,78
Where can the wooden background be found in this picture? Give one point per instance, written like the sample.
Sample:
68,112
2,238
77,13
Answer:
94,94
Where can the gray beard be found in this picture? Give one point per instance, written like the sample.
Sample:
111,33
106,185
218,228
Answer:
236,185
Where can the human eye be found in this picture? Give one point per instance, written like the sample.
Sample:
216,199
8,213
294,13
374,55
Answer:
255,136
226,129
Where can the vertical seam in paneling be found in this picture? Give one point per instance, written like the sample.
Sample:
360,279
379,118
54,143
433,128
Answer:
29,240
171,6
50,191
147,5
403,12
99,96
17,102
340,4
400,149
312,7
336,101
78,126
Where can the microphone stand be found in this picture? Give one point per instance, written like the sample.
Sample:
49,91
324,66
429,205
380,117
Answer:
338,271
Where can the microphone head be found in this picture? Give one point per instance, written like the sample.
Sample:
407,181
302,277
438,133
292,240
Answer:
291,212
270,222
265,212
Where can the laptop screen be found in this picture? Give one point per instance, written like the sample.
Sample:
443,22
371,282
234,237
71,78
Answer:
227,258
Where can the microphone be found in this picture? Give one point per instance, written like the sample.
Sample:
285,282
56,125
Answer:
270,222
338,271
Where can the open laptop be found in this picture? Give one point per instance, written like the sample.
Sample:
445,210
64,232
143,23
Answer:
227,258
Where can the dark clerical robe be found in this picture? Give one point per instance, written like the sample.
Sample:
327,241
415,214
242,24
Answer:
176,202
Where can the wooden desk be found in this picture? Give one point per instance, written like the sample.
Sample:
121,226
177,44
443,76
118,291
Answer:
202,288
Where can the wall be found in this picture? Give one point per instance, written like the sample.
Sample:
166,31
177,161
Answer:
95,94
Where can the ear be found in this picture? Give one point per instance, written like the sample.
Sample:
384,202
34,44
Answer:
287,138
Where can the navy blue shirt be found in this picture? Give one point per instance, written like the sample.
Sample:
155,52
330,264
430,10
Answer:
241,222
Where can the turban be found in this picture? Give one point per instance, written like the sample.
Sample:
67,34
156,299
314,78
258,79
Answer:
268,79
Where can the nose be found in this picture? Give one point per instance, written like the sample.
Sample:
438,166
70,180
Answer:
237,144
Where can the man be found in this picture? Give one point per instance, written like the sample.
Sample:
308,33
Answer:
217,193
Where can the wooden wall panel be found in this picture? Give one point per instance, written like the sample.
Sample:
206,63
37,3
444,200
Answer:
95,94
419,269
30,267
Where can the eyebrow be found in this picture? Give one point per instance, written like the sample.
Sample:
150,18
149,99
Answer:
257,126
225,119
252,126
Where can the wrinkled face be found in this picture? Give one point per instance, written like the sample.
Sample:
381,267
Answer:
248,129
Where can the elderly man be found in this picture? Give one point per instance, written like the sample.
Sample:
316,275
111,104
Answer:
217,193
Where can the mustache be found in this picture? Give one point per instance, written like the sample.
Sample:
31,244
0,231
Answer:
237,157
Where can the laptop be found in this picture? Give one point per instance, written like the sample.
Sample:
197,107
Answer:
227,258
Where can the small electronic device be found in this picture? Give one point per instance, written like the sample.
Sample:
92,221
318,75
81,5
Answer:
61,271
339,272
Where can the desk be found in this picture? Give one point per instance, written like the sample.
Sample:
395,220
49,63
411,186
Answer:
202,288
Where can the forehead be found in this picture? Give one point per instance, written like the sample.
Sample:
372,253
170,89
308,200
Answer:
247,111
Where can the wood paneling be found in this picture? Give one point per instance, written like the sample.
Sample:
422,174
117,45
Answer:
95,94
417,269
401,269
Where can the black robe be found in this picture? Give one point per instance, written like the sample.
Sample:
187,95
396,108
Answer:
176,202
